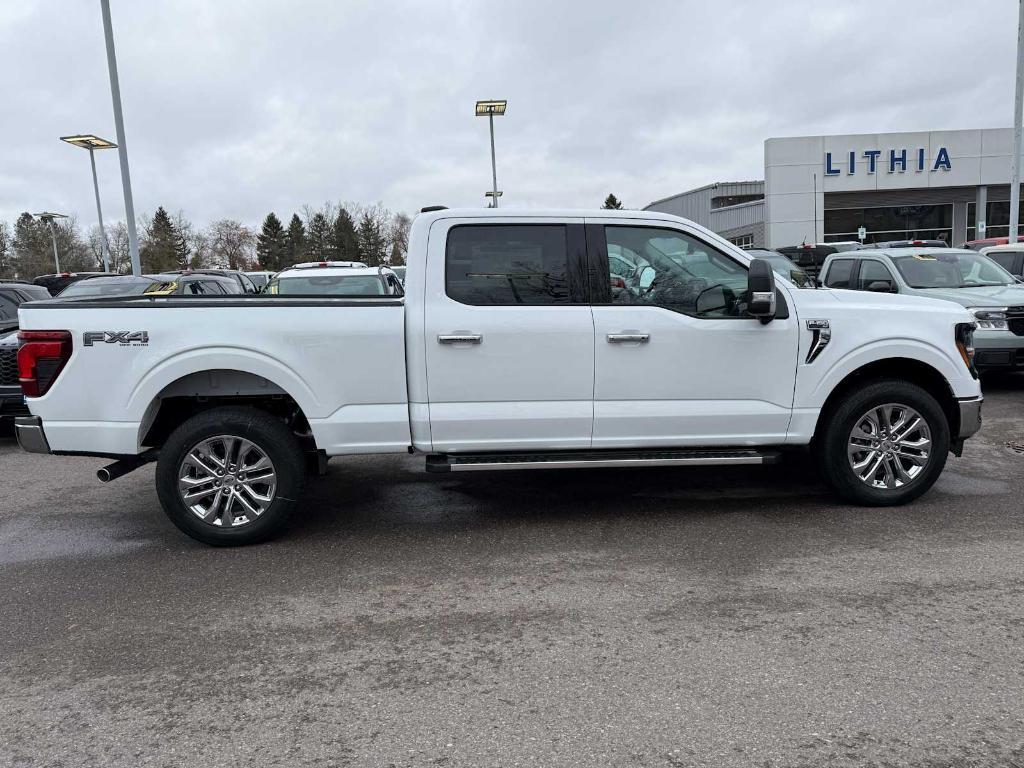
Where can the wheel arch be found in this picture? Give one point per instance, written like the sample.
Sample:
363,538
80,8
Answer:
909,369
201,390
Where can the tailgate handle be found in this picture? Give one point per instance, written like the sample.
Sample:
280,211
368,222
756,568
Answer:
460,338
627,338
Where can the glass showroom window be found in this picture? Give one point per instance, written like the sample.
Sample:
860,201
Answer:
898,222
743,241
997,222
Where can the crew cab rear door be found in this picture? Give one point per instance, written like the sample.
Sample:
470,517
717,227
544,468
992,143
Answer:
509,335
677,361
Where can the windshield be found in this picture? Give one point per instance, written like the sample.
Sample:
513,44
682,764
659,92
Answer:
951,270
259,279
783,266
107,286
327,285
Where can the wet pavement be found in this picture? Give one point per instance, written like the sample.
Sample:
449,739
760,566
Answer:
657,617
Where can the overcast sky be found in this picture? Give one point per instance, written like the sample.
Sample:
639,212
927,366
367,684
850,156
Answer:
234,108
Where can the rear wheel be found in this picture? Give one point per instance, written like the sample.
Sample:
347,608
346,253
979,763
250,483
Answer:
885,444
230,476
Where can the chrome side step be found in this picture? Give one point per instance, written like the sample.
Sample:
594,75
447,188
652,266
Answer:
464,462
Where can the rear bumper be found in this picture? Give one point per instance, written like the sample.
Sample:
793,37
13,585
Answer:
970,417
12,403
29,431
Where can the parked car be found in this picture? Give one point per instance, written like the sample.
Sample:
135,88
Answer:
260,278
12,295
991,294
244,282
316,280
783,266
512,353
400,271
58,282
167,284
985,242
1009,257
810,257
910,244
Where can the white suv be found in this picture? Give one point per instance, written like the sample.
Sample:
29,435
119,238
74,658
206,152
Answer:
335,278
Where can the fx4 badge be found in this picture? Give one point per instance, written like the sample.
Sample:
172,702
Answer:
122,338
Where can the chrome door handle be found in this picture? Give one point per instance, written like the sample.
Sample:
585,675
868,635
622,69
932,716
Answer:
626,338
460,338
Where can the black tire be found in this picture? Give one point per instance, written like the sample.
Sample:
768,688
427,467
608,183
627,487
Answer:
268,434
834,439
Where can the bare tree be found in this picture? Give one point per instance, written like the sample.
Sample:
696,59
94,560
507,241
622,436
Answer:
231,244
398,234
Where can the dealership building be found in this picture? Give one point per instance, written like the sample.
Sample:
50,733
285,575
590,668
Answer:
949,185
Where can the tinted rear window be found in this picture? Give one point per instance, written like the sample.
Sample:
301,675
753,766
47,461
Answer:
512,264
839,274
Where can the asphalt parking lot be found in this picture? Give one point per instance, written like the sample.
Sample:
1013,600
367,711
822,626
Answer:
630,618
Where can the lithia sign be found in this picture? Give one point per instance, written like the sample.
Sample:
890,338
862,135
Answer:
896,161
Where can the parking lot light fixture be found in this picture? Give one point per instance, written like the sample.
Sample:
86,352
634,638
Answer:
490,108
493,195
48,218
92,143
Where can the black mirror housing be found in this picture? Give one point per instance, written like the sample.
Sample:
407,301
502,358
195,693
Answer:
880,286
761,291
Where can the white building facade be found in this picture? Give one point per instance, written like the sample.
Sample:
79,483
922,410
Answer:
948,185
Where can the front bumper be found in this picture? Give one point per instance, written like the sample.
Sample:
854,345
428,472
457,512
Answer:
998,350
29,431
970,417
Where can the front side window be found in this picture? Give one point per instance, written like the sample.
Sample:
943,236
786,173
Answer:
873,272
675,271
839,274
507,264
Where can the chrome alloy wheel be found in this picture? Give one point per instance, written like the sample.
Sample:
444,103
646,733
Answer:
889,446
227,481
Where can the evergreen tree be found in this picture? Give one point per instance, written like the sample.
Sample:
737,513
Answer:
159,252
320,245
612,203
271,245
372,240
343,235
295,242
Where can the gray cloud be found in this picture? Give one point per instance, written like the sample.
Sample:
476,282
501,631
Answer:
236,108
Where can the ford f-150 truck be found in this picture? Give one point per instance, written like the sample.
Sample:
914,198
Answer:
510,350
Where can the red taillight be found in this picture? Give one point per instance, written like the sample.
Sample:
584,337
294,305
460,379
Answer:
618,282
41,357
323,263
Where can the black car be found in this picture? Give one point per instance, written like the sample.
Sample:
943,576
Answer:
165,284
12,295
244,282
58,282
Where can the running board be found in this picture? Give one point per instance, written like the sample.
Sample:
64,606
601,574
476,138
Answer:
440,462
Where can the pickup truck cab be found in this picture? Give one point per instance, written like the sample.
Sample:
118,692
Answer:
509,350
991,294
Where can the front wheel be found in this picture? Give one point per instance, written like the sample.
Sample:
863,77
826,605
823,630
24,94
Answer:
885,444
230,476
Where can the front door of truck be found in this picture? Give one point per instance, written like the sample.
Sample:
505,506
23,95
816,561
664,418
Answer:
509,335
677,361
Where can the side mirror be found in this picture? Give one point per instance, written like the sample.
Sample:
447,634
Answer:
881,286
761,290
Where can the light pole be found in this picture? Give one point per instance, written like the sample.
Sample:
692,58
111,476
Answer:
47,217
92,143
490,109
122,150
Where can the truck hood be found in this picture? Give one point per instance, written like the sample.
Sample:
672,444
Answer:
883,302
981,296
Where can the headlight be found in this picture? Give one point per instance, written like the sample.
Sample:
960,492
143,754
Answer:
990,318
964,335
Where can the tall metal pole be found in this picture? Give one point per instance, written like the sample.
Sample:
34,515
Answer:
122,147
494,167
53,237
104,248
1018,110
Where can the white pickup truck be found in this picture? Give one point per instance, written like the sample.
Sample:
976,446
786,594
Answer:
519,344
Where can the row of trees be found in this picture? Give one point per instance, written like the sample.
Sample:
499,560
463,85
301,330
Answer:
352,232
